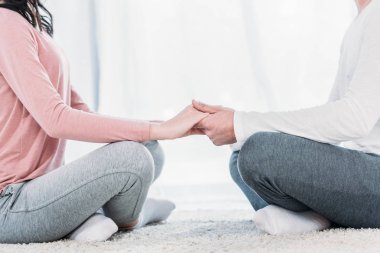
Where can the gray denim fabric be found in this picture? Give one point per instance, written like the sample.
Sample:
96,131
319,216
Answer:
299,174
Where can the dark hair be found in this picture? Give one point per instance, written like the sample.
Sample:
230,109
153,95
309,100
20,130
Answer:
30,10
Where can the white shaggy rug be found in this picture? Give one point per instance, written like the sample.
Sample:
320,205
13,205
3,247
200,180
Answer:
211,232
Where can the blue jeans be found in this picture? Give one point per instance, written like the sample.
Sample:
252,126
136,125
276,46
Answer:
299,174
256,201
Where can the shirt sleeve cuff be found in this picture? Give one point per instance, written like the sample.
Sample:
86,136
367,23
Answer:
239,127
236,146
239,131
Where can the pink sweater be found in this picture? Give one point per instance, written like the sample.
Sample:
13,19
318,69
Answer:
39,109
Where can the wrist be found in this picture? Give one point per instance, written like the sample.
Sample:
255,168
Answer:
232,129
155,130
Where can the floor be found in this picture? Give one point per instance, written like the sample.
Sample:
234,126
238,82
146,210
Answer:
211,232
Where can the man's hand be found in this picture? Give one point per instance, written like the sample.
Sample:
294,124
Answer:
180,126
219,125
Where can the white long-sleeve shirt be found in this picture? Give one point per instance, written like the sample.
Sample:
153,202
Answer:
351,117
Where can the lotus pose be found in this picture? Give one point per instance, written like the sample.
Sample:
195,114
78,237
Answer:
306,170
41,198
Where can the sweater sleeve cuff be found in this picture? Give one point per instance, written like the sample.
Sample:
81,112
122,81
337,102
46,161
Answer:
145,131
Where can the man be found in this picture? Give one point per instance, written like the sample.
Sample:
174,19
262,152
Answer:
304,170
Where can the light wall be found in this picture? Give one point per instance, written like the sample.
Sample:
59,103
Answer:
153,56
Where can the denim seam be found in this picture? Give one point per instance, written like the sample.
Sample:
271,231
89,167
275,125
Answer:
74,189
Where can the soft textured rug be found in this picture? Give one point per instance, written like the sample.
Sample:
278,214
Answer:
211,232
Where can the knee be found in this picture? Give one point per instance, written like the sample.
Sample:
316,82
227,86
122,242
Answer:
234,171
132,157
158,156
259,154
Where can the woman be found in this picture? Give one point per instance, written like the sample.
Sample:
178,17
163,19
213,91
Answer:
306,184
42,199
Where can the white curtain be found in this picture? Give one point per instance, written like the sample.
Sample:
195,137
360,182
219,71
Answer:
148,58
249,54
76,32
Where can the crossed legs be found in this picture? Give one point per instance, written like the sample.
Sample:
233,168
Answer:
300,175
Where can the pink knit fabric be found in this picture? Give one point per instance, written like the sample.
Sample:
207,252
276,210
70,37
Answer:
39,109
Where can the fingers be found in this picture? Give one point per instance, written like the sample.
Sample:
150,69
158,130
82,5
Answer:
206,129
212,138
196,131
206,108
193,110
201,124
193,116
201,118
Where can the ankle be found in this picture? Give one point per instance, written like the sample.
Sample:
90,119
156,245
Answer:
129,226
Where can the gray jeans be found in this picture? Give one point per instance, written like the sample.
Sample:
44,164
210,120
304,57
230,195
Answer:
299,174
115,177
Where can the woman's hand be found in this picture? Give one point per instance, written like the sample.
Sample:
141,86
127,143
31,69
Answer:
180,126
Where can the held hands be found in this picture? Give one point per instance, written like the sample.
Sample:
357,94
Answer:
180,126
199,119
219,125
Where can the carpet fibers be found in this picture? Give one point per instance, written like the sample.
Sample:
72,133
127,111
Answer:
214,231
